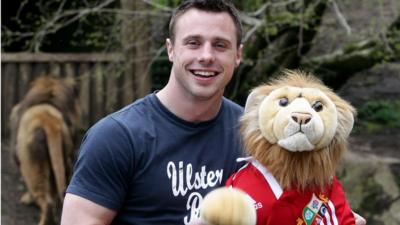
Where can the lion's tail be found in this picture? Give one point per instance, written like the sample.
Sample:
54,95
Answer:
58,136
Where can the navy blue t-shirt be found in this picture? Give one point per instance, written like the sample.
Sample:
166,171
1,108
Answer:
153,167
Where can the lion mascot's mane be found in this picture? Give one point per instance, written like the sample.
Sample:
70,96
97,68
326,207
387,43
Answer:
300,169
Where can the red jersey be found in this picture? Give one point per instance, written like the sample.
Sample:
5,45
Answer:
277,207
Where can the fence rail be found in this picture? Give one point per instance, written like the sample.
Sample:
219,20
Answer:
99,76
60,57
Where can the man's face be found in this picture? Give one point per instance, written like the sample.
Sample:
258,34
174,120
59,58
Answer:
204,53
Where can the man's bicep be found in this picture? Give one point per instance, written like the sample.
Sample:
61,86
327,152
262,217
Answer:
78,210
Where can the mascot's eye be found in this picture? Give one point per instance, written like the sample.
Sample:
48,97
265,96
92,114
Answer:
284,101
317,106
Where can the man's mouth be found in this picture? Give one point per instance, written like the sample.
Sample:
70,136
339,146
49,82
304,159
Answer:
204,74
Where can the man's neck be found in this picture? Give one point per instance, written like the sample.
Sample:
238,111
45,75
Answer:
189,108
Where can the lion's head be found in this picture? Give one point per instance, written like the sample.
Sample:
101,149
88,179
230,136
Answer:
60,93
297,127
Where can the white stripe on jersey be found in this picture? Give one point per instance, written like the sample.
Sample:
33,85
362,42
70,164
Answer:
327,217
273,183
332,208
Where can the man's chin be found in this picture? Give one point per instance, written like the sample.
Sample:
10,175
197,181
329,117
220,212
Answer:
206,94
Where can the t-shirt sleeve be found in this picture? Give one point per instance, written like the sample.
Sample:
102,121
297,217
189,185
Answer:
104,166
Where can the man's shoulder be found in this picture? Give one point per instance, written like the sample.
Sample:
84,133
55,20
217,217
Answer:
232,106
136,107
132,114
231,103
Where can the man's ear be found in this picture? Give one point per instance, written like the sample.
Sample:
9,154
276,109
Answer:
170,49
239,55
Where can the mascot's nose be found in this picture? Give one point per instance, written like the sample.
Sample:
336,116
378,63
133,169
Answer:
301,118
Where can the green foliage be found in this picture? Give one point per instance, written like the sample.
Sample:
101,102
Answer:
249,5
169,3
95,32
160,70
59,26
394,43
379,114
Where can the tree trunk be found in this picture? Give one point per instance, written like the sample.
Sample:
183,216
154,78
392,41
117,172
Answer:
136,48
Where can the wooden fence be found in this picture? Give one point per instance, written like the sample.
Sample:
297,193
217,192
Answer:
100,77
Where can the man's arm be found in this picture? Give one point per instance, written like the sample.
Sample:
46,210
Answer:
359,219
78,210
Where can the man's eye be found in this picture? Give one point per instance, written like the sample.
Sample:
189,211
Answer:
220,45
193,43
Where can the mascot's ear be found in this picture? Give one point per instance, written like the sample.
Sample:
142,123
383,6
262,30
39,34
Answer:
346,114
250,101
256,96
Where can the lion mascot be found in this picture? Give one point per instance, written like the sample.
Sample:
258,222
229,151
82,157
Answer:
43,127
294,130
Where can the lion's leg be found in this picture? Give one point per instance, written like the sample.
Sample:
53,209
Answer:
46,216
36,172
26,198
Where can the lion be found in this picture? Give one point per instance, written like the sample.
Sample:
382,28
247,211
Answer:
43,129
295,132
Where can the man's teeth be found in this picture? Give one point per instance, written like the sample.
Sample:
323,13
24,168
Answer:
204,73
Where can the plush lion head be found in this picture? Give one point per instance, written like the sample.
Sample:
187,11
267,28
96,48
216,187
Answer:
297,128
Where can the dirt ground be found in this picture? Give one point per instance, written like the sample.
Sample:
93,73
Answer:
12,188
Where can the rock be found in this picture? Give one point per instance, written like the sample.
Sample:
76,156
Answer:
372,187
370,173
380,82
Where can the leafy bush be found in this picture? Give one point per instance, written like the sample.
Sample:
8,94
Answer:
379,114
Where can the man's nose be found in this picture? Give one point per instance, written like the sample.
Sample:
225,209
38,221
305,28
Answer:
207,54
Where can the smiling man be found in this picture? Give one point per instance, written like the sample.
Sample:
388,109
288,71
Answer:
153,161
205,49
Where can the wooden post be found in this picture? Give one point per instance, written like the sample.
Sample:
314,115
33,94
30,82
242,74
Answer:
9,95
136,49
84,79
25,71
98,102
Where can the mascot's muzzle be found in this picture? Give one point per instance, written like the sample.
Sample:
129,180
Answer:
301,118
303,129
297,119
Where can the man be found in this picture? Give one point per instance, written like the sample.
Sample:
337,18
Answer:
154,161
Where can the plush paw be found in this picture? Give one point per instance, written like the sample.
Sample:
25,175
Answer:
227,206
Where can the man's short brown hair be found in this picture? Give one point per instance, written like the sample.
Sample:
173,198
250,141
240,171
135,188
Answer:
208,6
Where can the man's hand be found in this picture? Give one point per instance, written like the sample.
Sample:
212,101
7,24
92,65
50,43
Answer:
359,219
201,222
